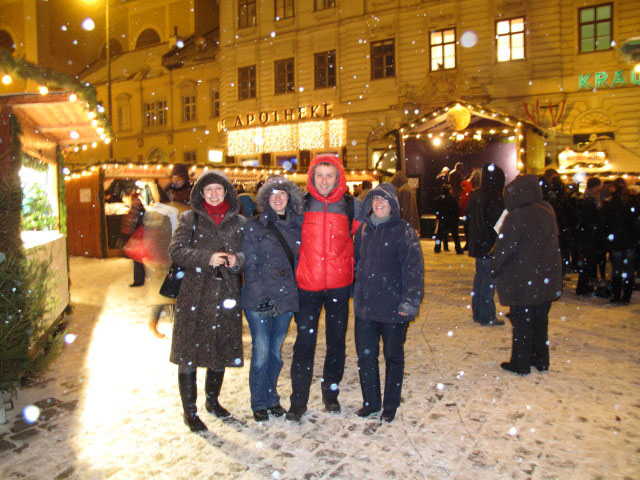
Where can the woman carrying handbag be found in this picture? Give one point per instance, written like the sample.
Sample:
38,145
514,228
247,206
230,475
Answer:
269,294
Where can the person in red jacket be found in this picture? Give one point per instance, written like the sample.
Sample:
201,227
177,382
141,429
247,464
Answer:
324,275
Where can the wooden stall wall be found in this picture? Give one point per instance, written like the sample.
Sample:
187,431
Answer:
83,215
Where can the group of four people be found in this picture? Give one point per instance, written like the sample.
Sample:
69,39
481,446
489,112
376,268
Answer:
300,254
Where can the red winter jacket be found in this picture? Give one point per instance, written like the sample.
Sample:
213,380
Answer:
326,251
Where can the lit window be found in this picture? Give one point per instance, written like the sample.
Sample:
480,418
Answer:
247,82
325,69
382,59
284,76
443,49
284,9
324,4
596,27
188,108
510,39
155,113
246,13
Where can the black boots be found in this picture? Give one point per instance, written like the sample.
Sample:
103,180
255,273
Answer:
212,387
189,394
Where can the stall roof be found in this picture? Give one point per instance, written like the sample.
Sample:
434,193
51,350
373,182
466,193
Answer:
482,117
55,116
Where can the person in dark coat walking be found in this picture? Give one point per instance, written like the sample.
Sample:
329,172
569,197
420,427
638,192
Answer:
528,268
208,323
388,290
588,236
448,215
180,188
270,294
483,211
406,200
130,223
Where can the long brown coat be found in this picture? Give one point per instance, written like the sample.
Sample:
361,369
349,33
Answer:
208,324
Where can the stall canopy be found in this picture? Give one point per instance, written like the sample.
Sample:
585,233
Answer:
602,156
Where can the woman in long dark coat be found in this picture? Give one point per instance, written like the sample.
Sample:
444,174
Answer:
208,324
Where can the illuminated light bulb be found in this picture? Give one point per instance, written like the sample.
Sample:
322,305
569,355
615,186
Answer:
131,165
91,114
158,167
147,166
104,166
637,68
43,90
73,97
436,142
107,140
84,147
6,79
76,148
73,134
88,24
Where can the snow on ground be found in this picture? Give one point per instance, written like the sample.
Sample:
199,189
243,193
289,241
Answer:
115,410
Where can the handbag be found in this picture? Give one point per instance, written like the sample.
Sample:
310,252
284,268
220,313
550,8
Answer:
135,248
171,284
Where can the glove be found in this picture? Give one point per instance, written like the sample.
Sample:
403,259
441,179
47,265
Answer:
267,308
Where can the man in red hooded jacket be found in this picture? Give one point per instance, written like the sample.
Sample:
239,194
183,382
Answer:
324,275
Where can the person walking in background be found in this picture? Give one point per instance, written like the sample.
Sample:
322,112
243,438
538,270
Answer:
324,275
407,200
270,295
207,331
247,202
388,290
131,229
180,188
528,268
448,216
365,188
483,211
588,223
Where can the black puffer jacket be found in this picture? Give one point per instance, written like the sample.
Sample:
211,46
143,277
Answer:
526,259
267,271
483,211
389,265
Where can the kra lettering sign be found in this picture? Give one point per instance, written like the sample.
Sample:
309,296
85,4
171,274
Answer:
620,78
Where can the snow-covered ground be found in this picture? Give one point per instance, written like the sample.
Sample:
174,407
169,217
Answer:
114,410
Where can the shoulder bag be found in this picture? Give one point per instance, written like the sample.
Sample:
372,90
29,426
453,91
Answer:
171,285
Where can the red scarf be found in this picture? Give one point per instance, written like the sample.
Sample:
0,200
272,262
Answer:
217,213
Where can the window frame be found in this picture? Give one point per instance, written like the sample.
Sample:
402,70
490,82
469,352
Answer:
248,91
157,107
289,85
325,5
215,102
511,36
188,101
595,29
283,5
442,46
326,67
246,18
384,56
190,157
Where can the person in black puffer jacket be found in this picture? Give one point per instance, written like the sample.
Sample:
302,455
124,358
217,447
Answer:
270,294
388,290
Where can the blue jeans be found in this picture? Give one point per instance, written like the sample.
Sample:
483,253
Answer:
482,303
267,336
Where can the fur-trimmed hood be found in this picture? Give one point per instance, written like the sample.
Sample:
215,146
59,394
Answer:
207,178
296,200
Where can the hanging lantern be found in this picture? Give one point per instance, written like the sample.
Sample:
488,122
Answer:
458,118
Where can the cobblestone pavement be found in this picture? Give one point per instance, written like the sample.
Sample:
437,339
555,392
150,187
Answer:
109,406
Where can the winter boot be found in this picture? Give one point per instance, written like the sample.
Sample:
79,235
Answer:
212,387
189,394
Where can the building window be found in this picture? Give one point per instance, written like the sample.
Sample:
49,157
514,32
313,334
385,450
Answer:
215,103
146,38
324,4
188,108
382,59
189,157
246,13
247,82
155,113
123,112
325,69
510,39
6,41
443,49
284,76
596,28
284,9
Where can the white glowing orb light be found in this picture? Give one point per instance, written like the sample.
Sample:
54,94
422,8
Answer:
513,431
469,39
73,134
229,303
180,44
6,79
440,386
88,24
69,338
31,413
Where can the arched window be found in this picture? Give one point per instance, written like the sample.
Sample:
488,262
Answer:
6,41
148,37
115,49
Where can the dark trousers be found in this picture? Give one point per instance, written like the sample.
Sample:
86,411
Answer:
589,257
367,336
441,235
336,308
622,273
138,273
530,326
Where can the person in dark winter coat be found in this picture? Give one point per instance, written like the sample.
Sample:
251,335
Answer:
130,223
448,215
270,294
588,236
180,188
407,200
483,211
388,290
528,268
324,275
208,323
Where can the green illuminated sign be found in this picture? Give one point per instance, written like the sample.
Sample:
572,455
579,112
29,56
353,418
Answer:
602,80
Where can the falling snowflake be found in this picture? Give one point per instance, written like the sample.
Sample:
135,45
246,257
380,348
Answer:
229,303
69,338
31,413
513,431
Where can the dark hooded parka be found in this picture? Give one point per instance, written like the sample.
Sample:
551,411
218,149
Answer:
208,323
526,259
483,211
267,272
389,265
